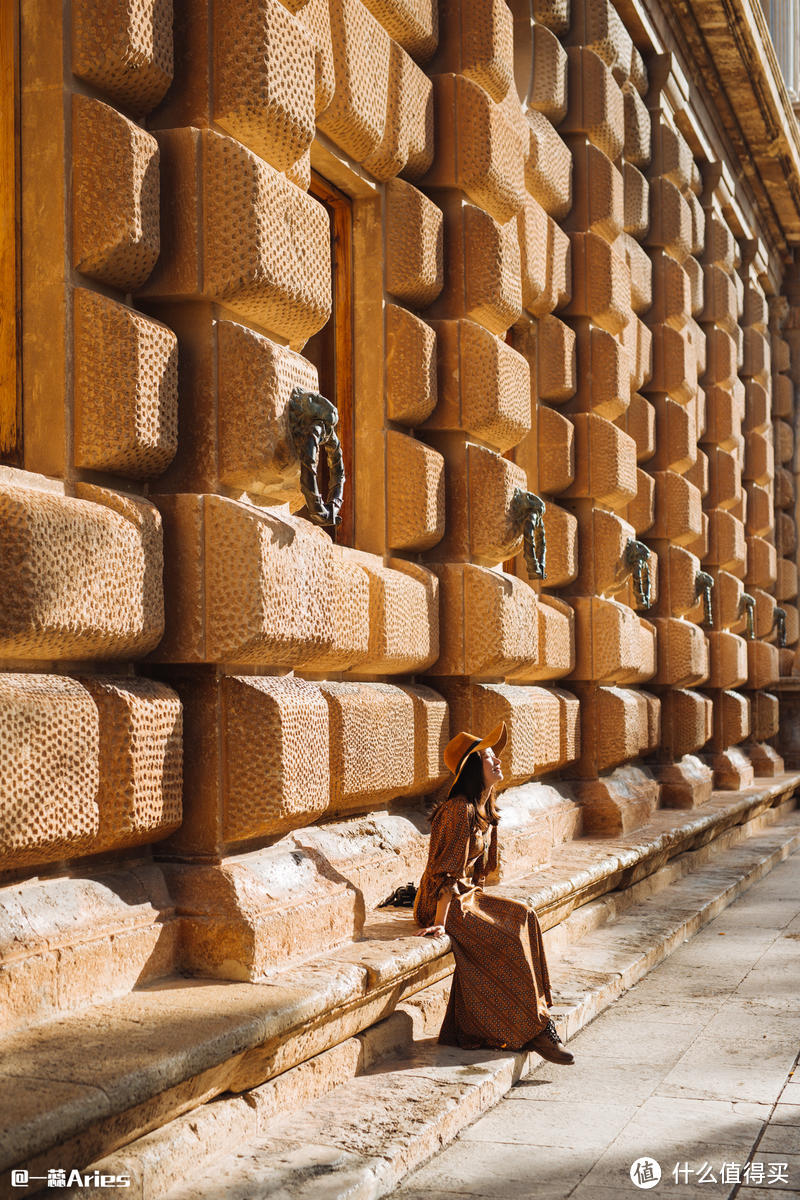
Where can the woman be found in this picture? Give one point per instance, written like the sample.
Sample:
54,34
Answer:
501,988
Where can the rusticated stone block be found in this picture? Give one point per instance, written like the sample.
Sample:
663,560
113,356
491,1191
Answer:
637,342
766,761
721,302
275,740
603,373
722,358
414,493
356,117
756,355
115,218
264,92
672,156
780,352
596,105
732,769
545,259
488,622
614,728
726,601
533,717
410,367
81,578
792,624
687,783
412,23
553,14
723,418
762,563
785,535
698,222
245,236
141,753
727,659
786,581
49,768
487,46
548,92
478,149
677,592
731,719
676,435
598,205
641,510
636,197
784,442
672,298
403,615
678,508
551,351
683,659
640,270
414,264
431,735
605,462
670,220
617,803
484,270
315,15
720,244
726,542
640,424
763,668
764,715
637,127
782,396
686,722
696,283
611,643
124,49
757,407
724,480
491,482
407,142
255,379
674,365
371,749
597,25
561,532
601,285
256,586
556,653
126,388
484,385
764,613
784,489
556,451
548,166
604,537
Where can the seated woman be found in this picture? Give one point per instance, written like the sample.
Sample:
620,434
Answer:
501,988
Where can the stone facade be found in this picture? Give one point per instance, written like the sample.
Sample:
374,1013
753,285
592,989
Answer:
560,274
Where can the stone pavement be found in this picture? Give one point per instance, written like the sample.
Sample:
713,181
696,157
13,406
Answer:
696,1066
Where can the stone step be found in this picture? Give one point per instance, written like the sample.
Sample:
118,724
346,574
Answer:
294,1138
102,1078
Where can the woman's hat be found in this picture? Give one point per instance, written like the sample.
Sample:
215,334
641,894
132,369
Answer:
459,748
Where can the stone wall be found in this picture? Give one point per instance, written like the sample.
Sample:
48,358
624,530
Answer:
561,288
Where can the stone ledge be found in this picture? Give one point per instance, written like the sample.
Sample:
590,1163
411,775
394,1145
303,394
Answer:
302,1138
100,1079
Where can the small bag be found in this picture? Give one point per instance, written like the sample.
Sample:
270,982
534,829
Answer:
402,897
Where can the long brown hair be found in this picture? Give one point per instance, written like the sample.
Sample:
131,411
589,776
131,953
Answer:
471,787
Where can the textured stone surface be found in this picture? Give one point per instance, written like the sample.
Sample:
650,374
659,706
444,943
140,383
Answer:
264,246
115,206
126,388
411,387
414,492
488,622
484,385
256,586
413,23
596,102
371,742
124,48
548,166
81,578
403,615
255,379
50,768
264,92
356,116
414,268
605,462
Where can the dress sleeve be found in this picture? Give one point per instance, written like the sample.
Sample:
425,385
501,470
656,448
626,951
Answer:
449,846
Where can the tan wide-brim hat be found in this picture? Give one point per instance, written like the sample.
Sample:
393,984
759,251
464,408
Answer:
459,748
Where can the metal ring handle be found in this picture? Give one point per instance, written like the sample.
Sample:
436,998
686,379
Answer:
528,509
749,603
704,585
637,557
780,621
312,424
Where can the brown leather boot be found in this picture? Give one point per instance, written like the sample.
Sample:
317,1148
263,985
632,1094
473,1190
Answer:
548,1044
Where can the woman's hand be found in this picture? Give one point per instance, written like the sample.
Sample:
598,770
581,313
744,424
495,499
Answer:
431,931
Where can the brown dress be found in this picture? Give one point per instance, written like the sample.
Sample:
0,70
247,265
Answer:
501,988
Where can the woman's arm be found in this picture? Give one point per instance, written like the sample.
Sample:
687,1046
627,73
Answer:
442,909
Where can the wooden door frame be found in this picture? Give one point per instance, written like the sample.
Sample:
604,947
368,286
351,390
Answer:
10,412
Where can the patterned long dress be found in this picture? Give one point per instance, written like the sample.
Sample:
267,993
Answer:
501,988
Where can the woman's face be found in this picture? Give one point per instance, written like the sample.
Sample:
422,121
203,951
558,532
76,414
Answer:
492,771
